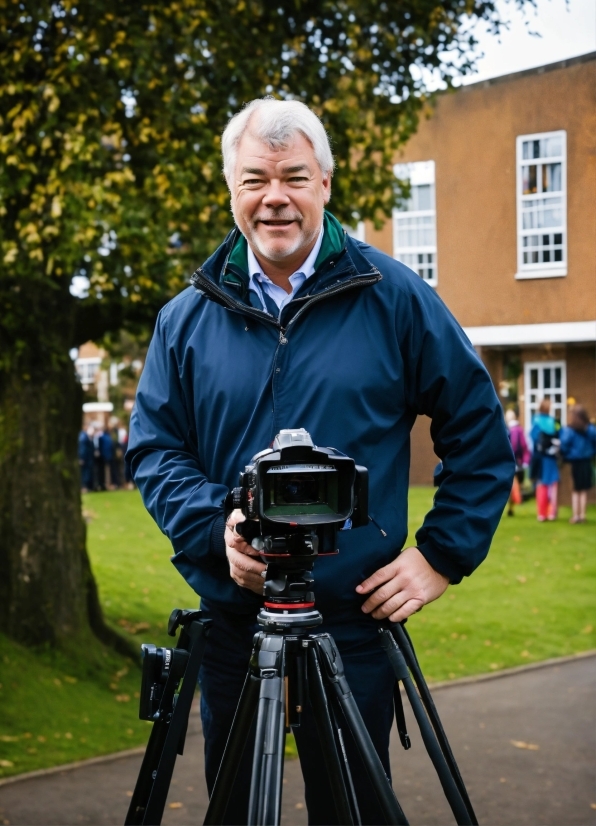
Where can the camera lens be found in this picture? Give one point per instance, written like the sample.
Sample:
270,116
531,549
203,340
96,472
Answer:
298,489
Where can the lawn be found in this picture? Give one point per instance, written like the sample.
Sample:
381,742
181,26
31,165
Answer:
531,600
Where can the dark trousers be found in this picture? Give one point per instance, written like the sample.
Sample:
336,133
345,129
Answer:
221,679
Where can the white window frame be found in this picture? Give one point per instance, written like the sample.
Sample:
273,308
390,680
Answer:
84,368
358,232
553,269
419,172
531,405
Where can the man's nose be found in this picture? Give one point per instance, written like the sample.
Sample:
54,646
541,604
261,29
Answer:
276,195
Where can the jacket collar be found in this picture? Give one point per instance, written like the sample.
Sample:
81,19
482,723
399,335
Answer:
339,258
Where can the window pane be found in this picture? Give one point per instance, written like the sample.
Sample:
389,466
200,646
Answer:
557,376
529,181
534,379
546,377
423,197
551,177
552,147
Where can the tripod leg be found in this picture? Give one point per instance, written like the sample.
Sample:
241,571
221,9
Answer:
332,668
145,780
431,744
264,806
232,755
405,643
320,708
151,791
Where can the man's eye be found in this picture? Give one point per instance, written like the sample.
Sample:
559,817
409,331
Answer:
251,181
298,179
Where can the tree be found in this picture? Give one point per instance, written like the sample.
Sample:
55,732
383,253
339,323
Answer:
110,122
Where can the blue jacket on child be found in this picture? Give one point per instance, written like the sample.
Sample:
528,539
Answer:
577,445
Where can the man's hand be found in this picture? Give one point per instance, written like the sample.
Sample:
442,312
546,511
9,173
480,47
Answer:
244,569
402,587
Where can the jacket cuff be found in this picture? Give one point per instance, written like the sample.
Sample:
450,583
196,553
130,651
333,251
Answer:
218,545
440,563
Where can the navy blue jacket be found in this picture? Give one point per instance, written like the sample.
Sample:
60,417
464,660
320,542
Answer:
363,348
577,445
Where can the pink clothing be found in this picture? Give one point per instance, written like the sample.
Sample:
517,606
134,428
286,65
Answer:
519,445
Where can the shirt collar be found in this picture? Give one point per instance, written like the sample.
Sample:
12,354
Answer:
307,268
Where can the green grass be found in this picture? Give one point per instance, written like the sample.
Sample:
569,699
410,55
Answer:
138,585
57,707
531,600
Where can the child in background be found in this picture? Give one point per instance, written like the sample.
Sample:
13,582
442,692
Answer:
578,446
519,446
544,436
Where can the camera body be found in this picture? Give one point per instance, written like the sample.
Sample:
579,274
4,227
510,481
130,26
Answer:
296,488
159,666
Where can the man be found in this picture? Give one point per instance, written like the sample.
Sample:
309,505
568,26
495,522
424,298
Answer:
291,323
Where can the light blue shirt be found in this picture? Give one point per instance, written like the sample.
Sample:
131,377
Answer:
259,282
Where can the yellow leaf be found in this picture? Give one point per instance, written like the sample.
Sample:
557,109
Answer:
6,764
56,209
521,744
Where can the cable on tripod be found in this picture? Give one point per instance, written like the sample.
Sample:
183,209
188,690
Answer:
405,643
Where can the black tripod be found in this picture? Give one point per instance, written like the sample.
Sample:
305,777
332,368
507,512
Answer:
288,664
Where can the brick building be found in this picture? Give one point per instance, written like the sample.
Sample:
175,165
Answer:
502,223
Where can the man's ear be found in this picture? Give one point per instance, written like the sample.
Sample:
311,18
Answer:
326,189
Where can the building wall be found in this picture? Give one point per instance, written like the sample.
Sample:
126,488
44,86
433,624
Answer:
471,136
423,458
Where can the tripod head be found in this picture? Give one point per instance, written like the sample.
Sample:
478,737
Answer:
295,497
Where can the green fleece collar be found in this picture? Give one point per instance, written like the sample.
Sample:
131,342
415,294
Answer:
332,245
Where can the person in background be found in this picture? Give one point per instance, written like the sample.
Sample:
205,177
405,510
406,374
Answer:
99,467
578,447
117,454
106,449
544,435
521,453
123,443
86,459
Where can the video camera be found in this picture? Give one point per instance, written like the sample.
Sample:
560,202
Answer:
295,497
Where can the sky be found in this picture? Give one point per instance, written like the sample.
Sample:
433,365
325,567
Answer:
567,29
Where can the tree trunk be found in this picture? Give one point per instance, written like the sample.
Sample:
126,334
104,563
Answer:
47,590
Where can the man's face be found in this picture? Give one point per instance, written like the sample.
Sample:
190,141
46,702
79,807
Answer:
278,198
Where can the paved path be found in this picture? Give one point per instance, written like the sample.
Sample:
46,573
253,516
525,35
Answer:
525,744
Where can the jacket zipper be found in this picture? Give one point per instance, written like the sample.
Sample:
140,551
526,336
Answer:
209,287
360,281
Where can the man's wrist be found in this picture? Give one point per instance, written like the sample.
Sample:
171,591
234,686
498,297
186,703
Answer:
438,563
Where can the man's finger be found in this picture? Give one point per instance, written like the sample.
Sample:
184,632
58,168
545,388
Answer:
407,609
387,591
378,578
244,562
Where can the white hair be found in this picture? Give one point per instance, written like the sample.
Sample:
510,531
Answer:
275,123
